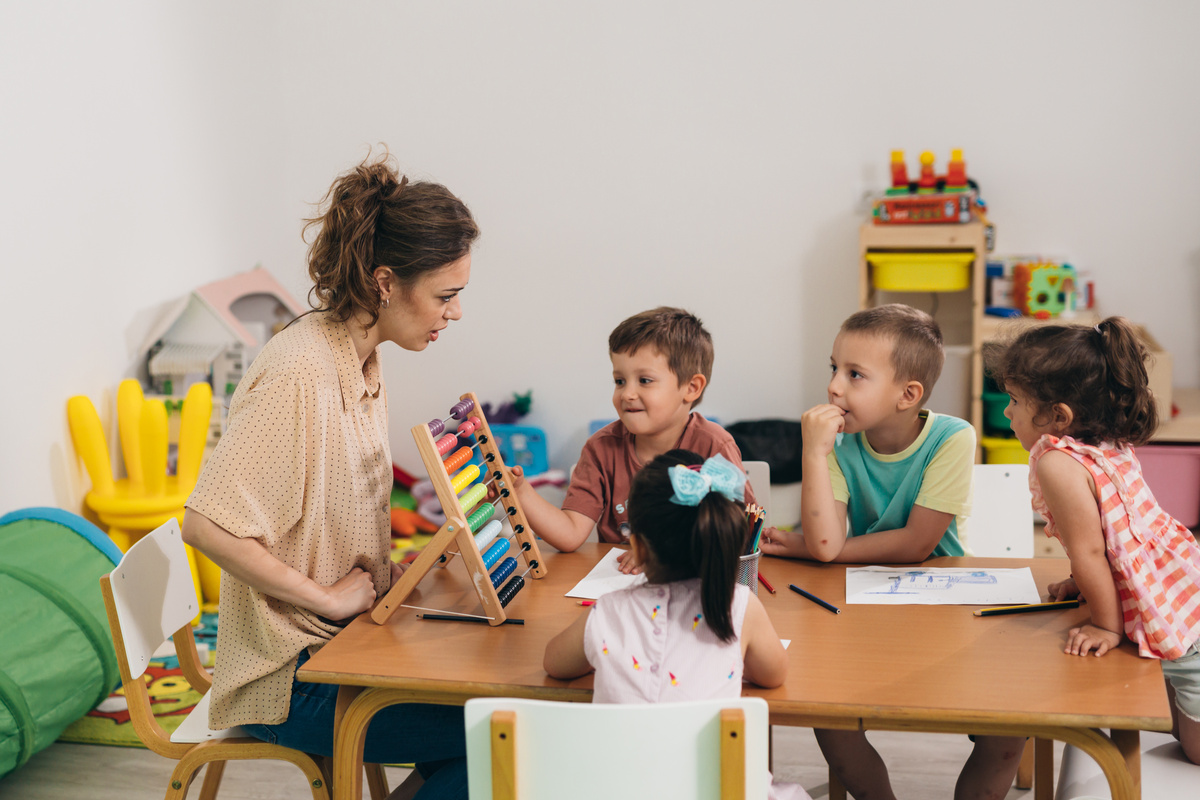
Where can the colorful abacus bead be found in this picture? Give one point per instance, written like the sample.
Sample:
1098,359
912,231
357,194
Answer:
510,589
446,444
503,571
465,478
461,456
480,516
487,534
494,553
457,411
471,496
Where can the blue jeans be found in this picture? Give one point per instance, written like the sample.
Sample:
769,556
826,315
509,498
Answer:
431,736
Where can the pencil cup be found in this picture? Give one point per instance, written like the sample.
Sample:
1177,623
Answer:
747,571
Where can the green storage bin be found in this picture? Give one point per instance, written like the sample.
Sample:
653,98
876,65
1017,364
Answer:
58,659
994,404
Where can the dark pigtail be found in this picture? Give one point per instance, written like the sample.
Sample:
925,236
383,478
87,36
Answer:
685,542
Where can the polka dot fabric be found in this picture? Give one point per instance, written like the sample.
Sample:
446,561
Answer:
305,468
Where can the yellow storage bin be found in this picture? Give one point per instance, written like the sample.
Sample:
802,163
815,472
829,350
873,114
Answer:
921,272
999,450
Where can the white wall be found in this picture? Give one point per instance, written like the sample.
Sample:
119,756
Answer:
617,157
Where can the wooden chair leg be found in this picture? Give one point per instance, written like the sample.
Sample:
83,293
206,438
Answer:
377,781
1025,770
408,789
212,780
1043,769
836,790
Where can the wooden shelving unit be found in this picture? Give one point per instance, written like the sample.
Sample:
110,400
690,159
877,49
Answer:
960,314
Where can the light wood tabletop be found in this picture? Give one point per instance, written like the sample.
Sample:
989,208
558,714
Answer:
909,667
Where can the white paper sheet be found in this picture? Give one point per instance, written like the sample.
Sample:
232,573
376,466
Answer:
939,586
604,578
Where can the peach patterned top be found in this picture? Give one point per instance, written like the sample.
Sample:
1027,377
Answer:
1155,560
305,468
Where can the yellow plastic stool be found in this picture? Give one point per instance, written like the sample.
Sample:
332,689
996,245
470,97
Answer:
133,506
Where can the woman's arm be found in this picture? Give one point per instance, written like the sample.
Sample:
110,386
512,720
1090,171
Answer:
565,657
764,661
1070,496
249,562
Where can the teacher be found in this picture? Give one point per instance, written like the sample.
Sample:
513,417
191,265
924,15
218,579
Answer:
293,504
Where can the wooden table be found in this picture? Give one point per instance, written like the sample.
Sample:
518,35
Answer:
923,668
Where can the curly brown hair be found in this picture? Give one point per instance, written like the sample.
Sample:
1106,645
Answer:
1099,372
374,218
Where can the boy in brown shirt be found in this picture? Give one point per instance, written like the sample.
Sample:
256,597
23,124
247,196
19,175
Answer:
662,362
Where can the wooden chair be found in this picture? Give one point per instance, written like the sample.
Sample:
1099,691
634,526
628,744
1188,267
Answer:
150,597
703,749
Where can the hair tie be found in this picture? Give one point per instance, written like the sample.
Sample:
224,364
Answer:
717,474
1096,328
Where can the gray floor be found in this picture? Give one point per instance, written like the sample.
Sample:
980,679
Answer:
922,766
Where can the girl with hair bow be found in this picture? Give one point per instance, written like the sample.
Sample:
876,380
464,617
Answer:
690,632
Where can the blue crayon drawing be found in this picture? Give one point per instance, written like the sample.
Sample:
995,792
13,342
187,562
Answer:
918,581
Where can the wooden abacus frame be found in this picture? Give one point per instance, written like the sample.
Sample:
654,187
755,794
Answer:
457,531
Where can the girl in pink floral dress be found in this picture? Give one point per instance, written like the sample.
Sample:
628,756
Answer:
1079,403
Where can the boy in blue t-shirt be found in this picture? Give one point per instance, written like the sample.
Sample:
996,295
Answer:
902,476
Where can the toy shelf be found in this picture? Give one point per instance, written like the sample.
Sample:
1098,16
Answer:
959,312
1184,428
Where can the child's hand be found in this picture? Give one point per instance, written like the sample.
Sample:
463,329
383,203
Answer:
819,427
517,484
1081,640
1063,590
349,597
776,542
628,563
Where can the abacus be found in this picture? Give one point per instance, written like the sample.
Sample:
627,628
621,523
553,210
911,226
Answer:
470,528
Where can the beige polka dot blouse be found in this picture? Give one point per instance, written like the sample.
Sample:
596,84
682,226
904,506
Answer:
305,468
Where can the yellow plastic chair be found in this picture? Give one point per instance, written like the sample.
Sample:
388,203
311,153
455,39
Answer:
131,507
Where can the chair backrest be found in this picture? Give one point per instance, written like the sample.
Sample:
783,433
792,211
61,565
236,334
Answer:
1001,521
153,594
518,748
759,475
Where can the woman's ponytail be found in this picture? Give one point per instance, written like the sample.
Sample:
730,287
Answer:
374,218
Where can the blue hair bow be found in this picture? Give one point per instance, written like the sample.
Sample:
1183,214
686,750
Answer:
718,474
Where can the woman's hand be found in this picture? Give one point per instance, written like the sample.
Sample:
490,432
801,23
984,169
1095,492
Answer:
350,596
1063,590
1088,637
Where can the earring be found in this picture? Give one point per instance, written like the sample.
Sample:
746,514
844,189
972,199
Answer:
385,302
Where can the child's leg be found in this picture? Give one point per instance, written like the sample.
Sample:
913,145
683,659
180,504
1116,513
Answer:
1183,691
856,763
989,772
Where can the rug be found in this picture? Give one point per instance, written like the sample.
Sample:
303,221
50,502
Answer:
171,696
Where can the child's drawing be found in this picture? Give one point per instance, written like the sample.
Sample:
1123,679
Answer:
916,581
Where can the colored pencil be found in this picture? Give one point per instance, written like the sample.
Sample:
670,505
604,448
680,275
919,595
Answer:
1026,608
587,602
766,583
814,598
456,618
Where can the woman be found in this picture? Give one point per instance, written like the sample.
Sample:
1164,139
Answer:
293,505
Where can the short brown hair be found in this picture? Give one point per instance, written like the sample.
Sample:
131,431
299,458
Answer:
917,353
373,217
677,334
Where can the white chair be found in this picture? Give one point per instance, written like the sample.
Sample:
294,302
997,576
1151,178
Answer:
1001,521
758,473
1166,772
150,597
535,749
